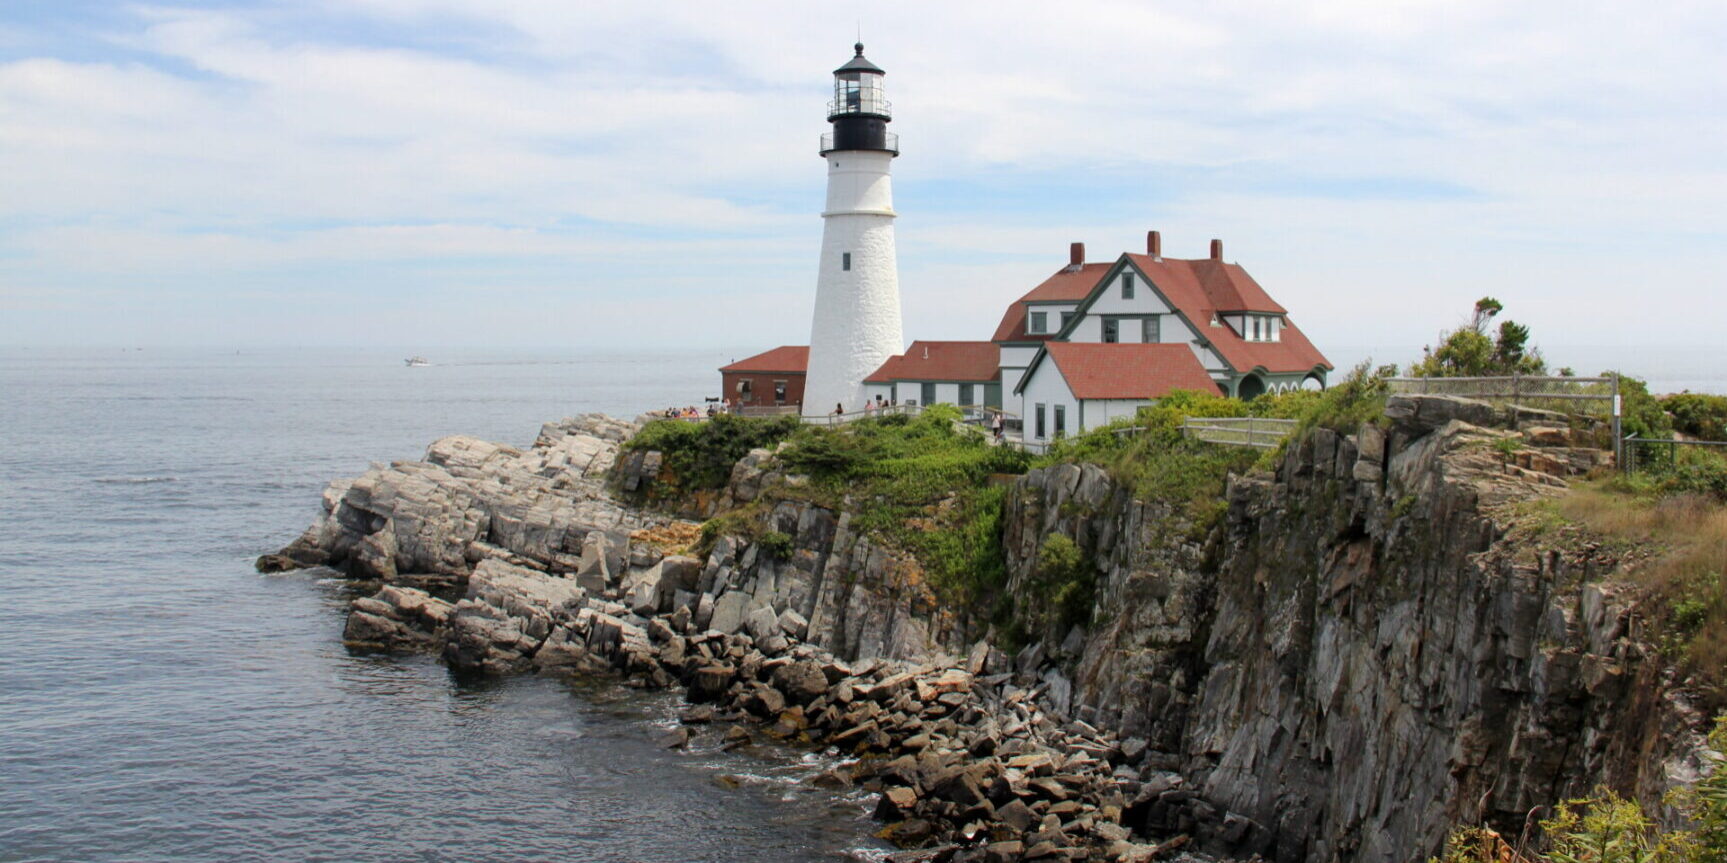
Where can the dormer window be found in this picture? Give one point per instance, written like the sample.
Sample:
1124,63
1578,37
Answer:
1038,323
1260,328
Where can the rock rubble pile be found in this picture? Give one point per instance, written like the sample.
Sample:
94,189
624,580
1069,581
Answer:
963,754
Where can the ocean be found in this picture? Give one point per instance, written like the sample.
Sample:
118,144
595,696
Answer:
160,700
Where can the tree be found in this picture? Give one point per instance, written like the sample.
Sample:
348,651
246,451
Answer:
1469,351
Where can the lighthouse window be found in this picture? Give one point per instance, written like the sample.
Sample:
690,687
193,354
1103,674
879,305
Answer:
846,261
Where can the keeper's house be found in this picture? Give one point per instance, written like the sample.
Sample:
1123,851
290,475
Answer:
1096,341
967,374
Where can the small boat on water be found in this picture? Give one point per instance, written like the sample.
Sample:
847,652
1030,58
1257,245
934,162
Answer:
414,362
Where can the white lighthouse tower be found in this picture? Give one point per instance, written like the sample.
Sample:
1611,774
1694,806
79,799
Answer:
857,320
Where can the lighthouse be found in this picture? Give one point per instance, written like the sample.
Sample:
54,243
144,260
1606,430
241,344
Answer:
857,318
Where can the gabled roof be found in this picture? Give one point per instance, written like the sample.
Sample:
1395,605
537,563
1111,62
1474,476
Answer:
1069,284
1199,289
941,361
1096,370
785,359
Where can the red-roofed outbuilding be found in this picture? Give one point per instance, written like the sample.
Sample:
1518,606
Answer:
769,379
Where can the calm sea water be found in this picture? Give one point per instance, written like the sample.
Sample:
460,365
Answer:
159,700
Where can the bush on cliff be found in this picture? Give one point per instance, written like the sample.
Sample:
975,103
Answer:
921,484
1607,828
700,455
1701,416
1064,583
1149,455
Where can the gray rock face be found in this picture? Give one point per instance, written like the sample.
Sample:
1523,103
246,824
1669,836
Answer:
1357,656
507,615
431,520
397,618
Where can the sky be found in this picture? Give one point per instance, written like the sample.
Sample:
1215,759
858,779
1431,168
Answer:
514,173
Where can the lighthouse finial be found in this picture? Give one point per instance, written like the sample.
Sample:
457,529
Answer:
859,47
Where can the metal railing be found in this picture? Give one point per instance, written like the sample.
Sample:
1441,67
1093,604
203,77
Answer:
833,419
871,102
767,410
1574,396
1646,454
1565,394
1262,432
892,144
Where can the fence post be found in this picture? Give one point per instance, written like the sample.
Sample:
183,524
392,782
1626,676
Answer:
1618,442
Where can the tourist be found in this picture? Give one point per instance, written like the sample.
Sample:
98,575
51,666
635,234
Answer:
839,409
995,426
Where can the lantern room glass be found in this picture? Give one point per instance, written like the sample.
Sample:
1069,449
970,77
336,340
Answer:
858,93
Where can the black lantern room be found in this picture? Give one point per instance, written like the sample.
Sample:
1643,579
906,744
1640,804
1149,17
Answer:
860,111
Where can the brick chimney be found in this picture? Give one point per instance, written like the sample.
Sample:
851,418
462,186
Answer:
1154,245
1217,250
1076,254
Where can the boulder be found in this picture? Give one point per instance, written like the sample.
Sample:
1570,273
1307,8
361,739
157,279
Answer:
762,622
728,613
801,681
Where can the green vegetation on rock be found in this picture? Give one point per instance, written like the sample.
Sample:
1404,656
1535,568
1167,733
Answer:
1678,542
921,484
700,455
1701,416
1607,828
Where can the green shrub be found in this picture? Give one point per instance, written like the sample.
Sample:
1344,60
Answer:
1291,405
775,543
1698,415
700,455
1706,802
919,484
1610,829
1642,413
1064,584
1353,402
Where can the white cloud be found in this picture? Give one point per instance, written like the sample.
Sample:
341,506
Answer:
1371,163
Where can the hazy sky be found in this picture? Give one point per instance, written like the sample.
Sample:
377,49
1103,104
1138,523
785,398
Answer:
554,173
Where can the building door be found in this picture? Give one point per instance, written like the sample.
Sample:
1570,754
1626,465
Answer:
967,395
927,395
1250,387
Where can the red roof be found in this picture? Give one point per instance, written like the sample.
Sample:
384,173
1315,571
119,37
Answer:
941,361
1070,285
1095,370
1203,288
786,359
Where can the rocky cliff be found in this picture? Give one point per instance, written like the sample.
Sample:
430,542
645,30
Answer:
1360,652
1365,650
